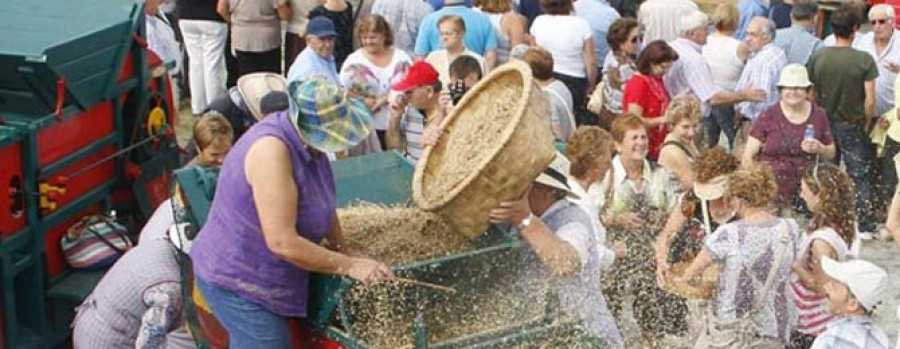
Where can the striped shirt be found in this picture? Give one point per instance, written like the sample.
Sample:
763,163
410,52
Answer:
858,332
761,72
690,74
412,126
812,308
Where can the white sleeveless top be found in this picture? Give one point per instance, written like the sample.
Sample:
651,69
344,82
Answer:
812,309
503,45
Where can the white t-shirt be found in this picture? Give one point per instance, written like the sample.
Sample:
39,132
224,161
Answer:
564,37
383,77
721,53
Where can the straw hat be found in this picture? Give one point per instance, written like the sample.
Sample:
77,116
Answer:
711,190
253,87
325,117
554,176
794,75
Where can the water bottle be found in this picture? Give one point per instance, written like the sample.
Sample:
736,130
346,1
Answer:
810,133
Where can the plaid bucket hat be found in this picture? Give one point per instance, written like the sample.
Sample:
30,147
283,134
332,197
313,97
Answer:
325,117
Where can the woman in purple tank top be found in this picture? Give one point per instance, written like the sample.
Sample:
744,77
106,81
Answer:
274,204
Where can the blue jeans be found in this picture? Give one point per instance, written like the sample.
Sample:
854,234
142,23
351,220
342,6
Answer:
721,119
249,325
854,148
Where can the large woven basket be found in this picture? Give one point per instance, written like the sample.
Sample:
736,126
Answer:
509,156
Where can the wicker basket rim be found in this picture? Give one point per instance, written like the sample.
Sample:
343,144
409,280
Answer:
513,67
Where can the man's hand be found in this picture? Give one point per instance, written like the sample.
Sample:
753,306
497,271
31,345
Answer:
884,122
512,212
892,67
431,135
398,106
753,94
446,102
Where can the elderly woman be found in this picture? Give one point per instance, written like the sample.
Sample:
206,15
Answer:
255,32
826,189
726,57
377,63
638,195
274,204
570,40
624,39
790,136
561,250
755,254
646,95
679,149
590,150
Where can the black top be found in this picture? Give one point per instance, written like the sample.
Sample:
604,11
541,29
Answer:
198,10
781,15
343,24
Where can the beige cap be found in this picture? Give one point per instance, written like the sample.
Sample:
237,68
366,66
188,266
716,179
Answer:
711,190
794,75
867,281
256,85
556,175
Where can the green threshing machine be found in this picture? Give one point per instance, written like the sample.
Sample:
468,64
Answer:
482,277
76,92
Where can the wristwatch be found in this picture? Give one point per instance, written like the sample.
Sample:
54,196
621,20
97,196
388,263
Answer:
525,223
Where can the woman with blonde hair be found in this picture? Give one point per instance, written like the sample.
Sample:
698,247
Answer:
827,190
726,56
755,254
213,136
510,26
679,148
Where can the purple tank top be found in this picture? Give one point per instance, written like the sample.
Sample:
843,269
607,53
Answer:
230,251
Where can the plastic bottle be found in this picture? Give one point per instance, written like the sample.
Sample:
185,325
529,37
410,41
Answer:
810,132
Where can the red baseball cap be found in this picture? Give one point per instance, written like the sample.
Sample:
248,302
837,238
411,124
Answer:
419,74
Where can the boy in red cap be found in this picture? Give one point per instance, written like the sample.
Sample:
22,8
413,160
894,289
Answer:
409,130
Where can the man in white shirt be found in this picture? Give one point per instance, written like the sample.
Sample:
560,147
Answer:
883,44
660,18
691,73
763,67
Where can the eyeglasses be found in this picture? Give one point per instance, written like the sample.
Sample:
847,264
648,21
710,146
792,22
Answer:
637,39
880,21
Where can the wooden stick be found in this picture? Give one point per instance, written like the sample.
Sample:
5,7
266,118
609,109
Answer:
424,284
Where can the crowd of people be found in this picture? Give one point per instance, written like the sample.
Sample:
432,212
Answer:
646,197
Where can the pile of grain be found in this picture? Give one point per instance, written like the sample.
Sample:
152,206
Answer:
399,235
383,314
471,139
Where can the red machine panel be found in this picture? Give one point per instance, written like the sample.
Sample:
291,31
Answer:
66,137
82,183
12,199
56,262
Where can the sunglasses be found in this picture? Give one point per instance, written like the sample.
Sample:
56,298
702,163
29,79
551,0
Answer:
637,39
879,21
